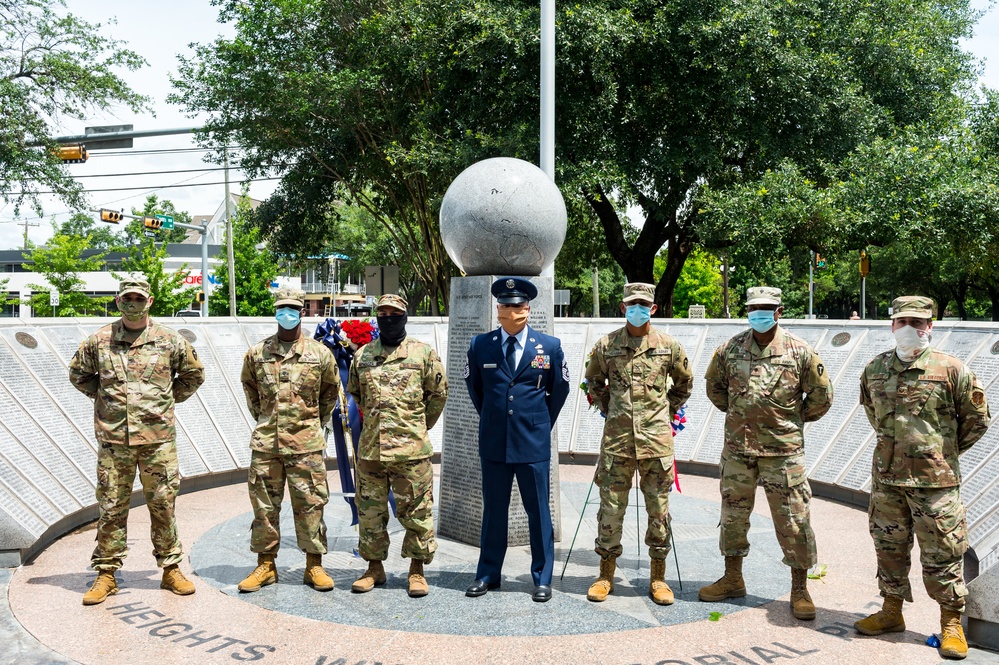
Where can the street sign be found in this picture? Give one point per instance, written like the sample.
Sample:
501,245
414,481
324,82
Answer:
54,298
149,234
562,297
167,221
107,144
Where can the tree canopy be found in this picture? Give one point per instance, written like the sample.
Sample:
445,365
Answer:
660,107
53,66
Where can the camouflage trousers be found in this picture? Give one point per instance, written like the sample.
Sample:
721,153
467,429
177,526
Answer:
306,478
788,493
613,476
935,515
116,465
412,483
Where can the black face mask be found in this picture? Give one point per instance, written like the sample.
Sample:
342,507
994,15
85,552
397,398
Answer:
392,329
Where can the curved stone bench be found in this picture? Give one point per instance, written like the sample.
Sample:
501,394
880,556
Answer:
48,451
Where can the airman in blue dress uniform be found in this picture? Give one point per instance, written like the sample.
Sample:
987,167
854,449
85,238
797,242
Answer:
518,380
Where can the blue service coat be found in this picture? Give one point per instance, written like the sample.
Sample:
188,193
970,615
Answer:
516,413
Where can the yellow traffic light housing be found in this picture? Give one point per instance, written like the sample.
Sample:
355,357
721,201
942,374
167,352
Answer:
111,216
865,264
72,154
152,223
201,296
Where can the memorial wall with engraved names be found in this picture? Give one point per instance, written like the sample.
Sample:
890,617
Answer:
48,451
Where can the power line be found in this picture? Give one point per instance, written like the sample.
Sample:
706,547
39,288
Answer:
125,153
150,187
126,175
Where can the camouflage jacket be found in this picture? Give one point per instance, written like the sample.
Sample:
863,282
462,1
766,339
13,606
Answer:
638,383
767,394
925,414
289,395
401,393
135,386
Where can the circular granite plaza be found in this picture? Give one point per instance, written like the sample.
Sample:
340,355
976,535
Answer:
288,622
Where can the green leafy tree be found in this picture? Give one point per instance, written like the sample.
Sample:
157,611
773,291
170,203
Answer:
60,262
166,288
255,267
383,104
700,283
52,66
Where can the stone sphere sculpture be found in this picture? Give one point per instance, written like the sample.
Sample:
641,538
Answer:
503,216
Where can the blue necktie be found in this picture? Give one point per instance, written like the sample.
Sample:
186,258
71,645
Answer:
511,354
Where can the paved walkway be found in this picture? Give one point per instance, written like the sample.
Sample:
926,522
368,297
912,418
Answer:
290,623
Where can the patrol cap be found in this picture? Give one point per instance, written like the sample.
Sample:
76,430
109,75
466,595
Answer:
286,296
763,295
139,286
392,300
916,307
513,290
639,291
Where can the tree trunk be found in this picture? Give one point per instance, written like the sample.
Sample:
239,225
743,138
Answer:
676,255
993,292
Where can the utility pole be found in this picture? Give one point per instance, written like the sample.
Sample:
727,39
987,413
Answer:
231,276
726,314
26,225
811,282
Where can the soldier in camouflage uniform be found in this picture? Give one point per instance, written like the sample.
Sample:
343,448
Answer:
400,387
638,377
292,385
135,371
927,408
769,383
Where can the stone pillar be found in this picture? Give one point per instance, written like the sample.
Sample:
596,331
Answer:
473,312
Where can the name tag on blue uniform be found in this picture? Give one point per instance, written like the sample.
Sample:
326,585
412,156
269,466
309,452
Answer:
489,366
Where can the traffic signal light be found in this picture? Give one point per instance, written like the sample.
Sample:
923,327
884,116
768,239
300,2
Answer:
72,154
201,296
865,263
112,216
152,223
820,261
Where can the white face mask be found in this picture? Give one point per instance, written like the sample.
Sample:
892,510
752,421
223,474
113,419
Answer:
910,342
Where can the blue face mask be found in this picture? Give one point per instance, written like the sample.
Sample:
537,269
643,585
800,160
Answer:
762,320
638,315
288,318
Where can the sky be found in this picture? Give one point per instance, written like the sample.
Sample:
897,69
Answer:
160,31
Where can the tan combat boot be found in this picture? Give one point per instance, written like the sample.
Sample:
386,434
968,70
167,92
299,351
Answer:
375,574
952,642
315,576
418,586
888,620
605,581
658,589
105,585
731,585
802,606
174,580
265,573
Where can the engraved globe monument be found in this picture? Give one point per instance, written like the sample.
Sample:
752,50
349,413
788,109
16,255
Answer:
503,216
